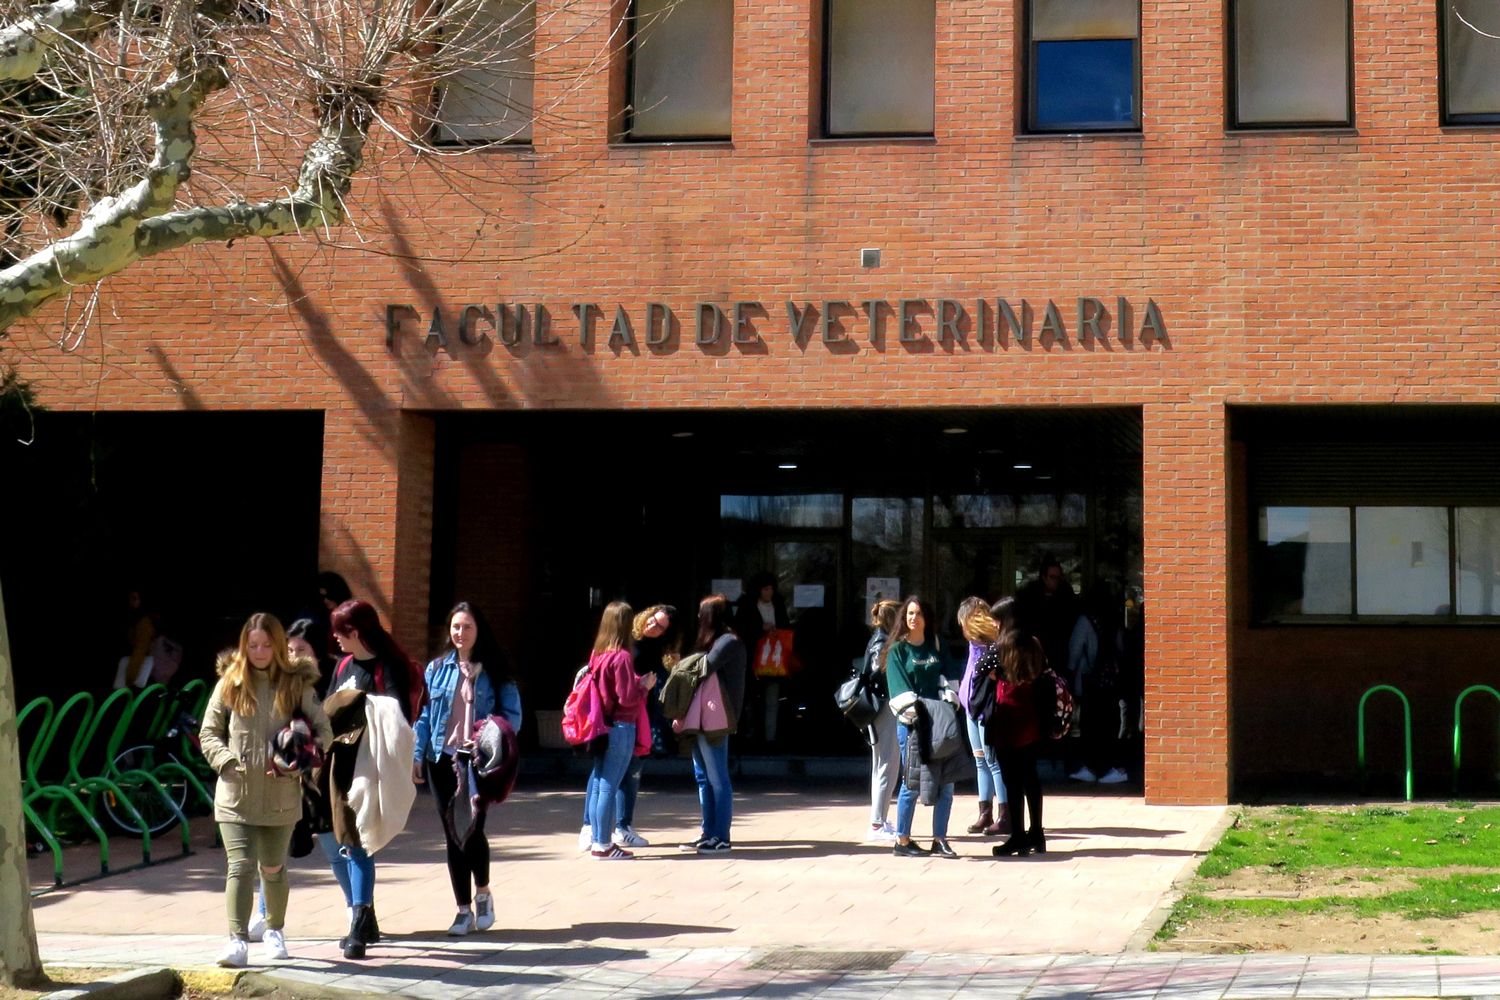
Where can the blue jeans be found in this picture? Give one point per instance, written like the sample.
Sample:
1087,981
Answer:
906,802
630,788
715,796
604,782
991,785
353,868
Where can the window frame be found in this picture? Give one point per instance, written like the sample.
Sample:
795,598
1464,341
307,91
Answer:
627,118
1232,79
1029,109
825,112
1445,117
1452,619
437,126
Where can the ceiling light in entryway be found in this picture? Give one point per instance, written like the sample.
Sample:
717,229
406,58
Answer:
787,465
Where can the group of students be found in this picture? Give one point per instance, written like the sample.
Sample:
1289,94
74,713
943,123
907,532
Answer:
1005,699
629,655
284,756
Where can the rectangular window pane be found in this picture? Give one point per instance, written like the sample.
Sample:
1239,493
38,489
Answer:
974,510
1292,61
1478,568
880,66
1401,555
1472,57
682,69
487,98
808,510
1304,558
1074,19
887,549
1088,84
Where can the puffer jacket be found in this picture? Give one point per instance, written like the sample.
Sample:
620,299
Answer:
934,746
238,748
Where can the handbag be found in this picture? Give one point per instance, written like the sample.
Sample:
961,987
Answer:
774,658
707,713
856,698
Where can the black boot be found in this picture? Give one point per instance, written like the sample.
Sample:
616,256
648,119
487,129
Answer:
1037,841
370,931
1017,846
354,942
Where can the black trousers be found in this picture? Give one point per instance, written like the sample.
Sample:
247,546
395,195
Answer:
469,862
1023,787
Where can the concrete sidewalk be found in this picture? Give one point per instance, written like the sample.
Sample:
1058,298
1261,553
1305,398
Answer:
669,923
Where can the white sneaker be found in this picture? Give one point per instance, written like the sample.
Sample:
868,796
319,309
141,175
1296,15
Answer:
484,911
274,946
625,836
1083,774
257,928
462,924
1114,777
585,838
236,955
882,834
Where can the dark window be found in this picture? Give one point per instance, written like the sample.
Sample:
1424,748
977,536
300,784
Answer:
878,59
1471,61
681,69
1084,65
1291,63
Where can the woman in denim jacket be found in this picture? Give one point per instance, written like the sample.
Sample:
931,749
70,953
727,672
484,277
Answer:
464,686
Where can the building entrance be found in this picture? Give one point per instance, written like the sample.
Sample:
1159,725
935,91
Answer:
544,518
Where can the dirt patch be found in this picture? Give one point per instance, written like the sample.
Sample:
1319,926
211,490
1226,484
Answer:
1339,933
1326,883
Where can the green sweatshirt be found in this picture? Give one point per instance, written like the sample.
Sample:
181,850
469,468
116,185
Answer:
918,669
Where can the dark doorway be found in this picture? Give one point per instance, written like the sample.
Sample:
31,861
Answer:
211,515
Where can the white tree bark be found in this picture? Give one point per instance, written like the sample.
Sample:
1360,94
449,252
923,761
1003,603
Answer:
24,45
20,962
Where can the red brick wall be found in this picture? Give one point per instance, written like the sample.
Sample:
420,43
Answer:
1290,267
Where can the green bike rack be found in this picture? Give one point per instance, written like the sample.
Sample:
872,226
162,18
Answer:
37,788
1458,705
157,773
116,779
98,785
1406,719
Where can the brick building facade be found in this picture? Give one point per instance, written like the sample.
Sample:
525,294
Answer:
1269,277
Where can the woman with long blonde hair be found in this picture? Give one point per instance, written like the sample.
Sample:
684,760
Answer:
981,631
611,668
257,801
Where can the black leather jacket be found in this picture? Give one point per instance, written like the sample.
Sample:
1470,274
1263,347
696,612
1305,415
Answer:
872,661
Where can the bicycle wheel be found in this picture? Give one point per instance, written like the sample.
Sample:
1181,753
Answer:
147,801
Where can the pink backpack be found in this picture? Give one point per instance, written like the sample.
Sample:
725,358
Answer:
583,713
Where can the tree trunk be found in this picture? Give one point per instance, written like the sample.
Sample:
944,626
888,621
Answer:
20,962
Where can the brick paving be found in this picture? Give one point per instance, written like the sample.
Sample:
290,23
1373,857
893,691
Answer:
1069,924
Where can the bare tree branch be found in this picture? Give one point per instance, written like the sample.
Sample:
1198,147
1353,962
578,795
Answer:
25,44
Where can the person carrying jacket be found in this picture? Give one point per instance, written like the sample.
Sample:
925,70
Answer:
462,692
914,664
258,693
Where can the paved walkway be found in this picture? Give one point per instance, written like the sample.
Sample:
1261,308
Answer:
1069,924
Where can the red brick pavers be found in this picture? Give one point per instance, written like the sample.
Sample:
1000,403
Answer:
672,924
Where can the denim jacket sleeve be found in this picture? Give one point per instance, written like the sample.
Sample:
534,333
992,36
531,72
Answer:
423,725
508,704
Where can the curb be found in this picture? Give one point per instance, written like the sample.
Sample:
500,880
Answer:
142,984
1157,918
263,984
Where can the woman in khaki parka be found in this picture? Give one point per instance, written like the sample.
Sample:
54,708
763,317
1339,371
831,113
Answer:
260,690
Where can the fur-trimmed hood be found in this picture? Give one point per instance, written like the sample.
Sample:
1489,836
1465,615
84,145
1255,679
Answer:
304,666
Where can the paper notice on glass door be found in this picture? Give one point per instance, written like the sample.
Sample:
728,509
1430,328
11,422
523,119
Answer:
807,595
882,588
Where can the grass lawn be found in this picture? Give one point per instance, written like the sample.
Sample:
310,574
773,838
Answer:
1346,864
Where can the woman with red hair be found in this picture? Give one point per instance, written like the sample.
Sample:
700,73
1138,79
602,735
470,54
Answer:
376,664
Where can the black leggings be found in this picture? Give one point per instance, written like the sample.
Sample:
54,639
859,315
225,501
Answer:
471,859
1023,787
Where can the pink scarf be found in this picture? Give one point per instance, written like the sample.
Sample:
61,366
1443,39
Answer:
461,716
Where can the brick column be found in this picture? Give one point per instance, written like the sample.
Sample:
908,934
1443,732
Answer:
376,522
415,467
1185,480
